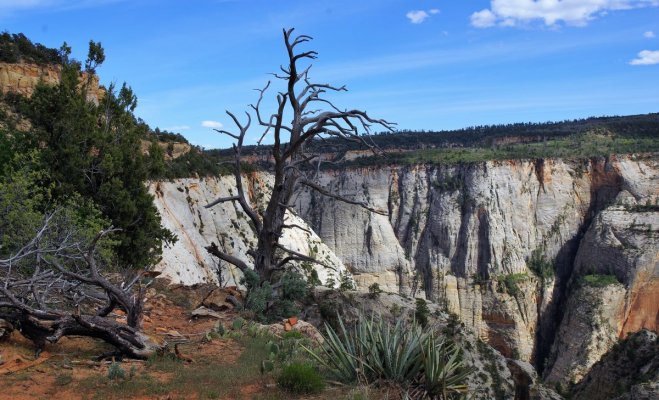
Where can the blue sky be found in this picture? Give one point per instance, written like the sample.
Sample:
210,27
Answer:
420,63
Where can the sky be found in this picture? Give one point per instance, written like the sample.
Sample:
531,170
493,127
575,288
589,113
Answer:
423,64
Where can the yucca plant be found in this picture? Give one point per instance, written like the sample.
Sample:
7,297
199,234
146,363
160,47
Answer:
341,353
407,354
444,373
392,351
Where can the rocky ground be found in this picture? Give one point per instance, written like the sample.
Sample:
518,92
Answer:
203,364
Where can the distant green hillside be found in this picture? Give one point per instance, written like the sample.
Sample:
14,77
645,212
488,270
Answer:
584,138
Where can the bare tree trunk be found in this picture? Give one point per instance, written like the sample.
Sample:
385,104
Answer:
293,166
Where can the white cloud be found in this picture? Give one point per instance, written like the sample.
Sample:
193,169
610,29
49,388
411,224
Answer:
211,124
417,16
177,128
648,34
646,57
483,19
551,12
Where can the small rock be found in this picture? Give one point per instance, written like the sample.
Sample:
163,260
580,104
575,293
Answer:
202,311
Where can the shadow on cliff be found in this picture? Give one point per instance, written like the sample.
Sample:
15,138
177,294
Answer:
606,183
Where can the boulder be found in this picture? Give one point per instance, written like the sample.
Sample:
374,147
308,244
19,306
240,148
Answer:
203,312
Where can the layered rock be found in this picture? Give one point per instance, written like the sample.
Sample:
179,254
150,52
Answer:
466,236
620,254
458,233
23,78
181,206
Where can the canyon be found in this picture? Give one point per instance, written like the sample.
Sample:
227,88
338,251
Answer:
469,237
549,261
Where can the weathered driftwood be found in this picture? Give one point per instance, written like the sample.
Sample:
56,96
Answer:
65,293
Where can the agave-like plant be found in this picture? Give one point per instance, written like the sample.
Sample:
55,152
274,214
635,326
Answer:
341,353
392,351
444,372
406,354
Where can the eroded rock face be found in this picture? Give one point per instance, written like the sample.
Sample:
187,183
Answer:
629,371
181,205
588,330
622,245
23,78
456,234
463,236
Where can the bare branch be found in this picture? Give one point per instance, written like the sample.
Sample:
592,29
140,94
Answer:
296,226
221,200
326,192
296,256
214,250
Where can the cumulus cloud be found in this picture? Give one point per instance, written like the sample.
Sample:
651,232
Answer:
551,12
646,57
417,16
648,34
483,19
211,124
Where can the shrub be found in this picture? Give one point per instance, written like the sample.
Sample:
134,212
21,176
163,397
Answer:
541,267
63,379
300,379
374,291
346,282
115,372
511,283
421,312
293,286
599,280
258,294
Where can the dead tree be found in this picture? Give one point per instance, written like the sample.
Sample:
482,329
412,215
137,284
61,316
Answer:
54,287
294,166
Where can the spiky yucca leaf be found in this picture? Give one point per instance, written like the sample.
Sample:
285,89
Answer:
407,354
444,371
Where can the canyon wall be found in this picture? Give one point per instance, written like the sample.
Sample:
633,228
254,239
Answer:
181,205
505,245
474,237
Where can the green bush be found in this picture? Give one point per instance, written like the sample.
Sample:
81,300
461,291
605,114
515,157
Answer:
346,282
293,286
421,312
599,280
115,372
374,291
300,378
510,283
540,266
